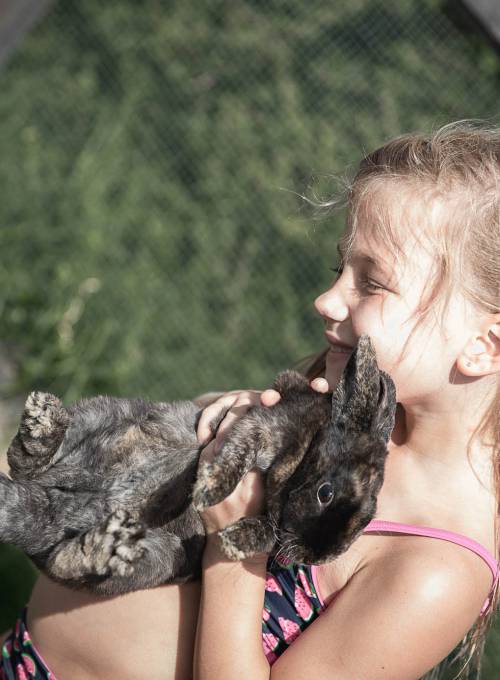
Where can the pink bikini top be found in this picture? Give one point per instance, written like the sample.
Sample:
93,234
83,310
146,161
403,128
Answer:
381,526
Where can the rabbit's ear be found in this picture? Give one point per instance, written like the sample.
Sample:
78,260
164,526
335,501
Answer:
385,417
290,382
355,401
43,425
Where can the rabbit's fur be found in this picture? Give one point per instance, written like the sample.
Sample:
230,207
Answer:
105,494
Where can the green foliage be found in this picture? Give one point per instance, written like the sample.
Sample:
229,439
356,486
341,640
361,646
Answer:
17,578
149,247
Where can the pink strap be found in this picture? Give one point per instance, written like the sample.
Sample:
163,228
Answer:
397,527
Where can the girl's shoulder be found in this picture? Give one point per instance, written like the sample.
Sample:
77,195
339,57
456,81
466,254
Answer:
395,548
400,590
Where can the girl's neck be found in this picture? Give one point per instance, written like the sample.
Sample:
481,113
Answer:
441,485
442,441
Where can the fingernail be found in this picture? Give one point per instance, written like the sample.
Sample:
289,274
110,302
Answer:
320,384
269,397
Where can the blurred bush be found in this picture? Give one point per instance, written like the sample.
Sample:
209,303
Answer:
17,576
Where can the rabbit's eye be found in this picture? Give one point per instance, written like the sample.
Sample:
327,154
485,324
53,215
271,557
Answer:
325,493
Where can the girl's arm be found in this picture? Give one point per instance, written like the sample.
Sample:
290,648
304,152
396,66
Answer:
228,643
229,619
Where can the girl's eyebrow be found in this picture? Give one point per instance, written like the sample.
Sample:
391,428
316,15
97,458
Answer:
360,255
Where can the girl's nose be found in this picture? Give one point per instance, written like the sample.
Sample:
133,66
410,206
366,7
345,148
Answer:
331,305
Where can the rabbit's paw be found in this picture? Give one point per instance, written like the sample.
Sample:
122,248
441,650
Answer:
119,544
206,491
247,537
42,414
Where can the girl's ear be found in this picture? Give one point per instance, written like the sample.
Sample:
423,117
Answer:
481,355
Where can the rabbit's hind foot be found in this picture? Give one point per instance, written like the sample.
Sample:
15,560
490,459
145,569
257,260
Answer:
43,425
126,546
41,413
108,550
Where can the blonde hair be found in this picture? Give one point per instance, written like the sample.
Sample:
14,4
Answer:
457,167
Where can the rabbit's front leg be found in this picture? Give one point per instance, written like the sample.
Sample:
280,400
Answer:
247,537
218,478
110,549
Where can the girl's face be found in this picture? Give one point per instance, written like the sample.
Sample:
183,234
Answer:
376,295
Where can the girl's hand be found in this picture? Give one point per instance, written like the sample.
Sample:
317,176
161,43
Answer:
215,422
220,416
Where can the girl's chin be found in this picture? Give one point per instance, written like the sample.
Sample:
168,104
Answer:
334,365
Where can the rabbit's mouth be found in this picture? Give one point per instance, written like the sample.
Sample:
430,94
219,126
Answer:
294,550
300,555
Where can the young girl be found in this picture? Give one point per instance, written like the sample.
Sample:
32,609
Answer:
419,273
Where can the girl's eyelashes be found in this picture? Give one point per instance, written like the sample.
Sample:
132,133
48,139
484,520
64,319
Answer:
371,286
367,284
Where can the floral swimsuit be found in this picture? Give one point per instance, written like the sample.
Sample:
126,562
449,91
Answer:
20,660
291,603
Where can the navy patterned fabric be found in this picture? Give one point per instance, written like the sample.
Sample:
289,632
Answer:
291,604
20,660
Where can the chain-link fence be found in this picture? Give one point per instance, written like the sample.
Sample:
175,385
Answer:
153,153
153,240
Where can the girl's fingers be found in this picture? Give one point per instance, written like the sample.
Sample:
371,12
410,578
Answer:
244,401
207,454
269,397
221,415
212,415
320,385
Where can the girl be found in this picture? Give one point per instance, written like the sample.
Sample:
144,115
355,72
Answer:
419,273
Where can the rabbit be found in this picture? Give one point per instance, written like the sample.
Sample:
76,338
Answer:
323,480
105,494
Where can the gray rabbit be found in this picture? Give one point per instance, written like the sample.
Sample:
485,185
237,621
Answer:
105,493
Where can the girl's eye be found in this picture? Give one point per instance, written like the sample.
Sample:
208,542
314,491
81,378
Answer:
369,285
325,493
366,283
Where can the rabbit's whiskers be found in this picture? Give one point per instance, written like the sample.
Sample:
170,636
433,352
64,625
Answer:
288,547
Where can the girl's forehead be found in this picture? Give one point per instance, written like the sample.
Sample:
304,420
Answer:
394,224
